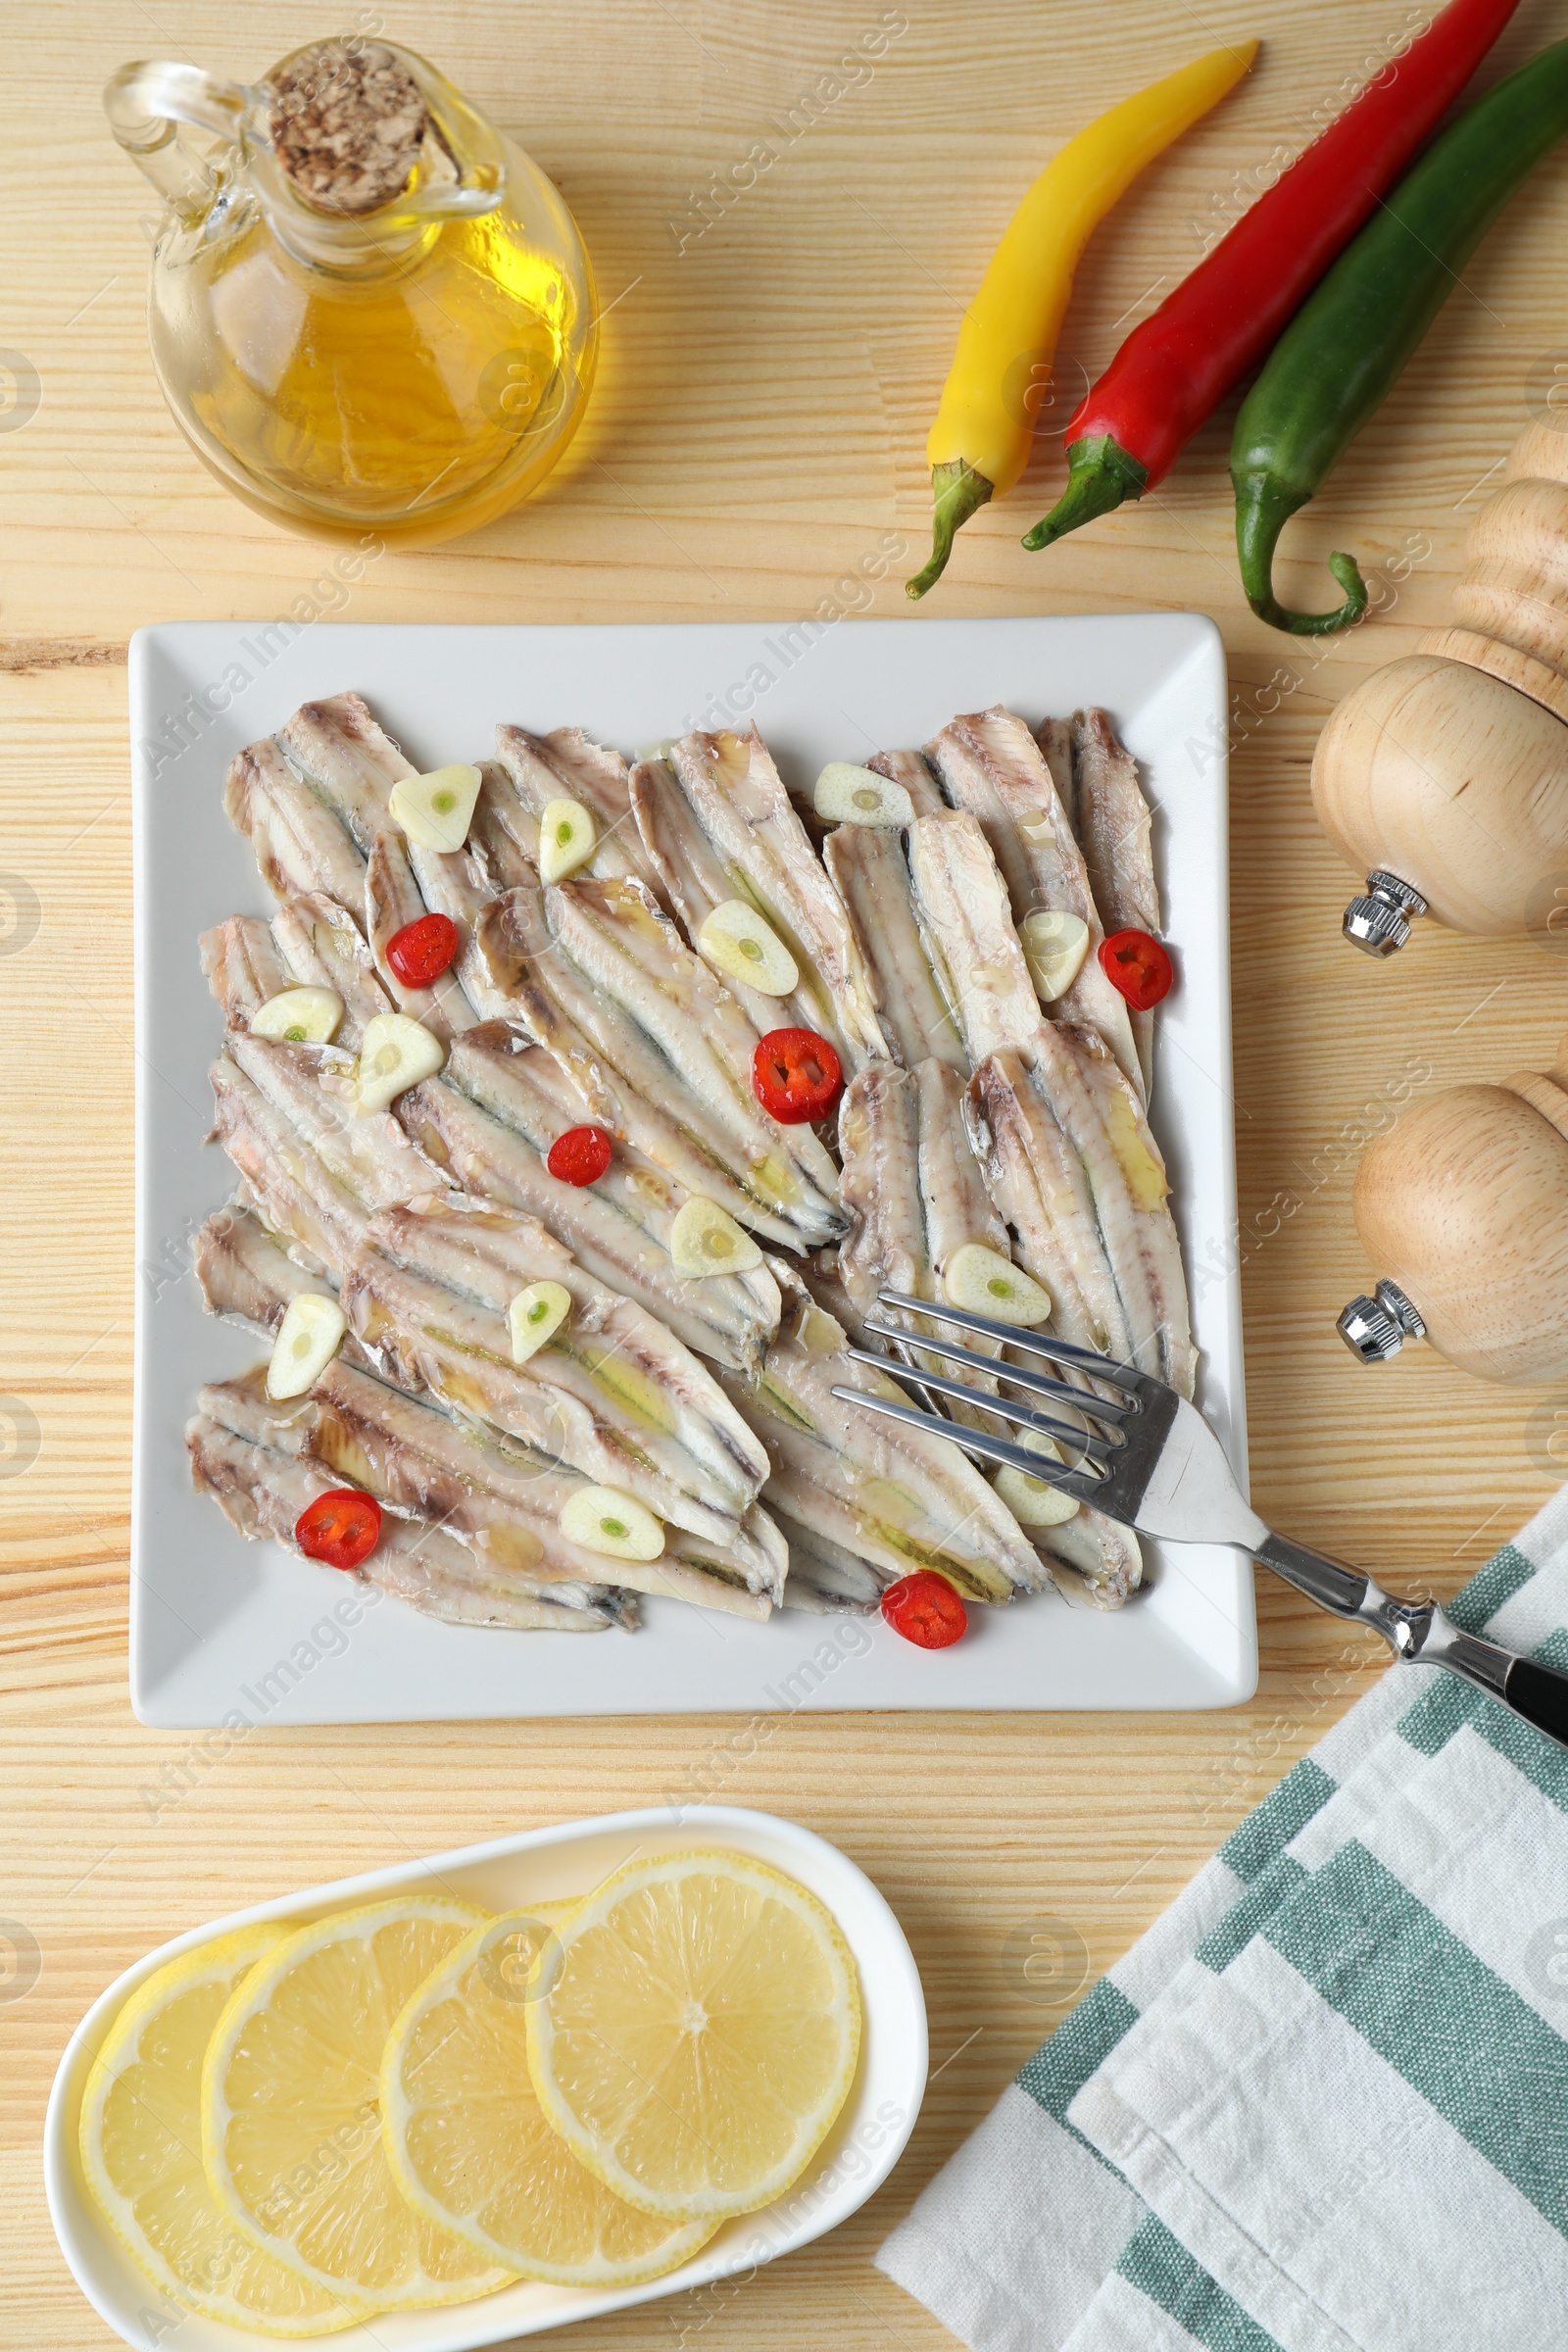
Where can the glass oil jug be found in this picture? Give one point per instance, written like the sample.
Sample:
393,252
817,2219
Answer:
369,310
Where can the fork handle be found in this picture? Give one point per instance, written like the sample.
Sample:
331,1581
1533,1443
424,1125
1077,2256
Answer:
1540,1695
1419,1633
1328,1582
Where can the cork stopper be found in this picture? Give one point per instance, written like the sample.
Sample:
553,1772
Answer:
348,121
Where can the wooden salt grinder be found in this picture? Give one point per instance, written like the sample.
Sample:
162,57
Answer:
1464,1202
1444,777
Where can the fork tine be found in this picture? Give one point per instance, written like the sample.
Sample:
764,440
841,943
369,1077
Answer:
1061,1352
1037,1384
1086,1442
1080,1483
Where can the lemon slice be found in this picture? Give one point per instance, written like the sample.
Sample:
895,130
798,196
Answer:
700,2035
141,2151
468,2144
290,2115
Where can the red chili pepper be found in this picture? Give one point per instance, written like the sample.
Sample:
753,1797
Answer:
421,951
796,1076
1175,369
925,1609
1139,966
341,1527
580,1156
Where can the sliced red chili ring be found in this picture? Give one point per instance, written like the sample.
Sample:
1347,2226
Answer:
1139,965
796,1076
580,1156
925,1609
341,1527
421,951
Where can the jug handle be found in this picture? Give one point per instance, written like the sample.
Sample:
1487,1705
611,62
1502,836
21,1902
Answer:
146,105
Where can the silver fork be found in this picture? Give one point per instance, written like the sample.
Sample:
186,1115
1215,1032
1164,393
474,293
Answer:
1154,1464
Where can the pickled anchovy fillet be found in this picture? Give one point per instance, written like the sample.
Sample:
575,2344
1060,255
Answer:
247,1277
569,765
1077,1177
263,1493
1093,1558
321,1221
299,842
991,764
366,1153
1114,824
421,1464
493,832
915,1196
323,948
614,1393
693,879
825,1580
1055,738
349,762
491,1119
451,883
242,966
738,799
896,1497
392,900
967,928
913,770
621,942
244,1269
869,870
656,1060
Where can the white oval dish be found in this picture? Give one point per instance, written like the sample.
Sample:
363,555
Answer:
859,2152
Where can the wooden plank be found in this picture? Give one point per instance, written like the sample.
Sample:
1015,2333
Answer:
758,426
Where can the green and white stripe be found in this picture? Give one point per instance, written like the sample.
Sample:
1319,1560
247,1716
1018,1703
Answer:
1323,2105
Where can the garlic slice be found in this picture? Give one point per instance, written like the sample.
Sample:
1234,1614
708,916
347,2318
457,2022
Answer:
988,1284
308,1338
602,1519
305,1016
739,944
536,1314
567,839
395,1054
1055,943
847,795
705,1239
1033,1502
437,810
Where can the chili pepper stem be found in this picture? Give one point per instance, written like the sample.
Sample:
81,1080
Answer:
1263,507
1101,474
958,491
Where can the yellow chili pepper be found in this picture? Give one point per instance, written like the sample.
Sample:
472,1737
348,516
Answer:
979,444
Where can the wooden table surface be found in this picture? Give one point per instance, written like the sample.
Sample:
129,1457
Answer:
758,426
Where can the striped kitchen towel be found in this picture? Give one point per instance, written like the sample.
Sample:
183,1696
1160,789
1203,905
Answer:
1322,2106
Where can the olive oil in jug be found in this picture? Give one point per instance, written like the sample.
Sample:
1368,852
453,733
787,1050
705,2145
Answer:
369,308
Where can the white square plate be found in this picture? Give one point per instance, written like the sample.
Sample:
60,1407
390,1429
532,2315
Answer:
541,1865
224,1628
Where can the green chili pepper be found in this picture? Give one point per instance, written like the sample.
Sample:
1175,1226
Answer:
1339,357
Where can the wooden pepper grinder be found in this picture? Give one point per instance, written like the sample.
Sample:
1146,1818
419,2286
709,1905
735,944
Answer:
1444,777
1464,1202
